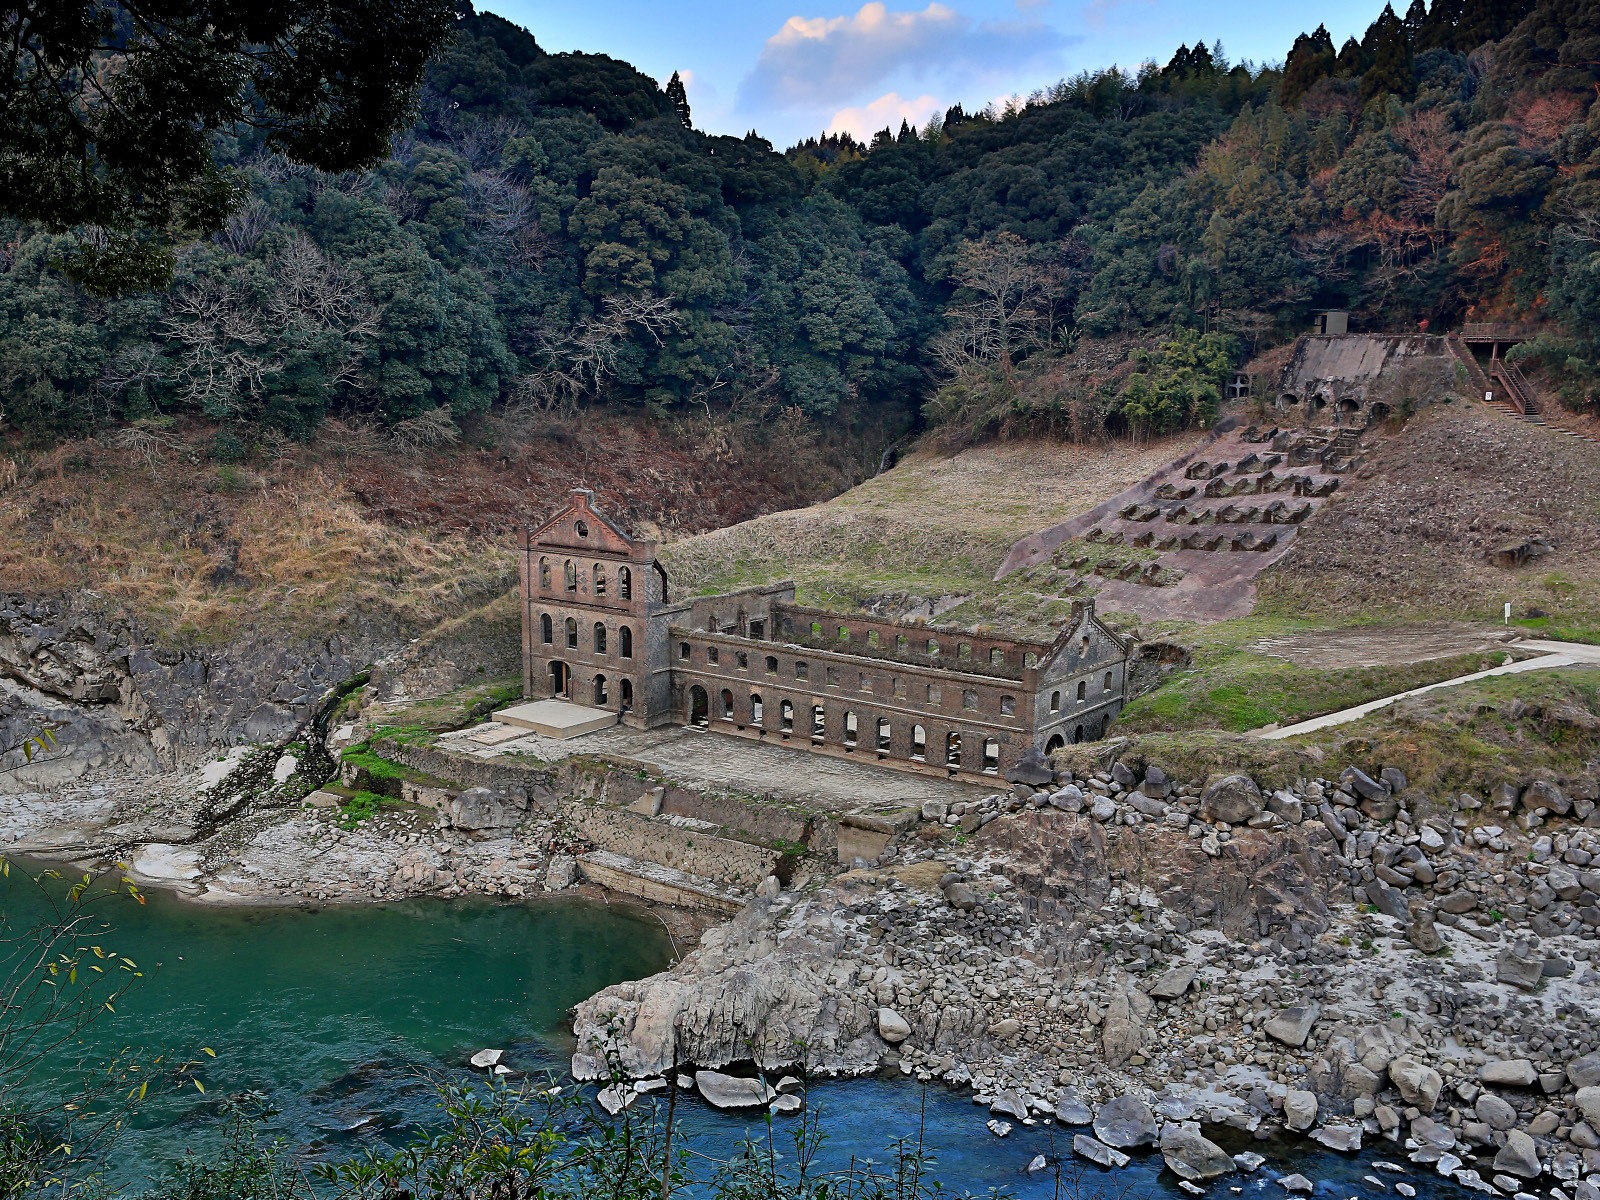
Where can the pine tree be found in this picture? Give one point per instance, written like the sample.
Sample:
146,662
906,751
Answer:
1352,60
1439,30
679,96
1416,20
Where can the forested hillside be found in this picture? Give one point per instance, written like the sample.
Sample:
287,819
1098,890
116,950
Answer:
553,233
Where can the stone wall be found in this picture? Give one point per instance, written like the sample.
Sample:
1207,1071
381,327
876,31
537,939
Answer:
723,860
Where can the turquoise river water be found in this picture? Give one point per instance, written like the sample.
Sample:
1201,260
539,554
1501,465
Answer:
337,1013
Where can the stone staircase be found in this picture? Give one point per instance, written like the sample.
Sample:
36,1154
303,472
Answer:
1506,388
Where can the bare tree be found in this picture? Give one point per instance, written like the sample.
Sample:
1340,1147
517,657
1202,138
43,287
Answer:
585,357
1003,304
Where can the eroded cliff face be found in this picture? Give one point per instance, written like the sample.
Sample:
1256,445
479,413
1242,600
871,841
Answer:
117,696
1021,945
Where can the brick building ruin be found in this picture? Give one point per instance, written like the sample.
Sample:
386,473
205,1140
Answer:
599,628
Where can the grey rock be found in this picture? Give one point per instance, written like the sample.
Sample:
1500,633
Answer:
615,1098
1288,806
731,1091
1031,769
1299,1109
482,808
1173,983
1296,1183
1422,933
1519,966
1156,785
1519,1156
1125,1122
1345,1138
1233,799
1293,1025
1588,1100
1393,778
1508,1072
997,1127
1248,1160
560,872
1009,1104
786,1105
1546,796
1458,903
1417,1083
1388,901
1036,1164
1192,1156
1495,1112
960,895
1363,784
893,1028
1068,799
1097,1151
1071,1110
1585,1071
1430,1133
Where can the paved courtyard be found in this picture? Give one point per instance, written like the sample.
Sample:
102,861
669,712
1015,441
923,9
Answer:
704,758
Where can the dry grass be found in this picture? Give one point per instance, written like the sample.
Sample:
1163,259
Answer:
201,551
927,536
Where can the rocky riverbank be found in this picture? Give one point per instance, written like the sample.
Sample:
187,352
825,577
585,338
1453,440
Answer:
1390,974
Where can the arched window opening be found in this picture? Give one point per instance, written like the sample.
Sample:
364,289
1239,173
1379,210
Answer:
560,678
627,695
544,573
772,664
1077,733
547,631
600,689
1108,681
572,633
1030,660
625,641
1083,645
1055,701
819,723
919,744
583,529
1054,744
849,728
571,572
844,633
727,704
699,706
885,734
1083,690
742,661
757,709
801,671
599,580
991,756
786,717
952,749
599,638
872,637
1008,706
624,583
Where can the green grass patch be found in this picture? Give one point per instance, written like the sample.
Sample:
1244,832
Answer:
362,806
417,721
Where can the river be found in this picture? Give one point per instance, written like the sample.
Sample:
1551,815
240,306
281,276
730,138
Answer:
338,1013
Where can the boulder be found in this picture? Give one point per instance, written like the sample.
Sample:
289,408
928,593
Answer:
787,1105
1173,983
1233,799
1293,1025
1344,1138
1543,795
1417,1083
1121,1033
1189,1155
1125,1122
1097,1151
1299,1109
1585,1071
960,895
1009,1104
1520,966
484,1059
1156,785
561,872
1430,1133
1388,900
1422,933
1495,1112
1287,805
1071,1110
1588,1101
482,808
1508,1072
1519,1156
1031,769
731,1091
615,1098
1363,784
1296,1183
892,1027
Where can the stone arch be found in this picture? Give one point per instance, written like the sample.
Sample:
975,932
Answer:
919,743
726,709
1077,734
560,677
571,624
625,642
952,749
786,716
1055,743
570,575
991,756
1055,701
1083,690
599,637
547,629
757,710
885,734
699,706
600,694
850,729
599,579
624,583
627,695
544,573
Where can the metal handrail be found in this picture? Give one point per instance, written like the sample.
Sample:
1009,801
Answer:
1496,331
1515,383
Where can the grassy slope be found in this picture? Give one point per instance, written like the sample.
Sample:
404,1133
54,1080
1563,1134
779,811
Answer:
934,528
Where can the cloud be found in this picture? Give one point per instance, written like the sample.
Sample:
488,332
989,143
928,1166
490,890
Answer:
886,112
814,62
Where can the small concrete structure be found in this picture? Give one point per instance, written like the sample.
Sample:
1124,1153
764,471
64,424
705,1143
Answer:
557,718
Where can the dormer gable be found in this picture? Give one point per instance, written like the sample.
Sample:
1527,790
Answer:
581,528
1083,629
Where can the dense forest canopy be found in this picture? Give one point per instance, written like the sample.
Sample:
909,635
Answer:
552,231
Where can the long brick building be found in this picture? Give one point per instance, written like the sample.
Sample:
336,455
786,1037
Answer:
600,628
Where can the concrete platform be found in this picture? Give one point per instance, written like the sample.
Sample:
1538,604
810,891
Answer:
557,718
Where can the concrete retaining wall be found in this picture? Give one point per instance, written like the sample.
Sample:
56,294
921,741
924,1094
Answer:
738,864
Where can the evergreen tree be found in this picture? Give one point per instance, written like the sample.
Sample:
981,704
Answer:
1388,49
1311,58
678,96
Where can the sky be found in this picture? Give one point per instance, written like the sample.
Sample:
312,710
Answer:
791,69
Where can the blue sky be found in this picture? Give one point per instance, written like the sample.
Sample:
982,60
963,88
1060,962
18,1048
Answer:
792,68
